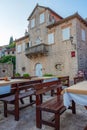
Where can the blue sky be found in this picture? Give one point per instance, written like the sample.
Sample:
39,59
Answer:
14,14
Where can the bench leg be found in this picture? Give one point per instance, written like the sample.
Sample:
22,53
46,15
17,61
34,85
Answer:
31,100
41,98
22,101
5,109
57,121
52,92
73,107
39,118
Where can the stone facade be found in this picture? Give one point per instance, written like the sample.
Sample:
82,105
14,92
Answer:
6,70
62,58
22,62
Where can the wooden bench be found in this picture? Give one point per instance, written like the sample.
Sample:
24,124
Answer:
78,79
54,105
19,91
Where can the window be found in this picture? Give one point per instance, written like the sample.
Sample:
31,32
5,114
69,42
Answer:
83,34
33,23
30,44
51,38
27,45
19,48
38,40
42,18
66,33
23,46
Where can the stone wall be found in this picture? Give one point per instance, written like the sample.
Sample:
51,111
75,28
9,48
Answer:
6,70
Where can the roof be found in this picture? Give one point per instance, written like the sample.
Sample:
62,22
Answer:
22,38
47,8
11,49
76,15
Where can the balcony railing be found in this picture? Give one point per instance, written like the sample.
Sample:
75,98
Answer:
34,51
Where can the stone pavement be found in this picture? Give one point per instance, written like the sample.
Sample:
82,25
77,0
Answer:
68,121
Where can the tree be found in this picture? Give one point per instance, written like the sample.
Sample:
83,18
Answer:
11,43
11,40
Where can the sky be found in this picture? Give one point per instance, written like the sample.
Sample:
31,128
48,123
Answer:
14,14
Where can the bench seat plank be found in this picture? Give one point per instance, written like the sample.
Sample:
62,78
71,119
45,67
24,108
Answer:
52,105
21,95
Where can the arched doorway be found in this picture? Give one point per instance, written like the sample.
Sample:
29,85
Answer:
38,70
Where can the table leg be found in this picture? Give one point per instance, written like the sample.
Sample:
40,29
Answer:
73,107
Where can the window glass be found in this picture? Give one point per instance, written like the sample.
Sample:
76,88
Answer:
42,18
32,23
83,34
51,38
66,33
19,48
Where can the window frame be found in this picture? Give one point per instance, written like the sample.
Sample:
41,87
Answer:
65,36
42,18
19,48
33,23
83,34
51,38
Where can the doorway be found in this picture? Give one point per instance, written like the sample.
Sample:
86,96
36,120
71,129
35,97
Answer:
38,70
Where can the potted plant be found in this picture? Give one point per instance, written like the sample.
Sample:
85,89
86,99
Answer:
26,75
47,75
17,75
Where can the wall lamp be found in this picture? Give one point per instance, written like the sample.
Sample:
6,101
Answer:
71,40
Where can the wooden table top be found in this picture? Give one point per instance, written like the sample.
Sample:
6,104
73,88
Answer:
79,88
12,81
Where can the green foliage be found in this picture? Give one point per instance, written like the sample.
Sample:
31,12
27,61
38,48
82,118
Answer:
26,75
47,75
12,45
17,75
6,59
9,59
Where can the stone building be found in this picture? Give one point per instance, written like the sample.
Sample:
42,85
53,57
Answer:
53,44
10,51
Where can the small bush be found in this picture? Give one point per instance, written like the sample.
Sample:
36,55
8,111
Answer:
26,75
47,75
17,75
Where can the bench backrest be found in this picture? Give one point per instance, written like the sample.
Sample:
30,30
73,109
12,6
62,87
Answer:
78,79
64,80
47,86
17,87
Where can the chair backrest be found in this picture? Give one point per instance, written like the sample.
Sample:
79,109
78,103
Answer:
78,79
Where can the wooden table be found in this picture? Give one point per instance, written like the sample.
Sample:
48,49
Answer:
77,93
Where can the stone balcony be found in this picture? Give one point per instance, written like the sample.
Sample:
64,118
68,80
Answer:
37,50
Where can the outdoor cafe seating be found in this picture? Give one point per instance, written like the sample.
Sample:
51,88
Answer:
54,106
